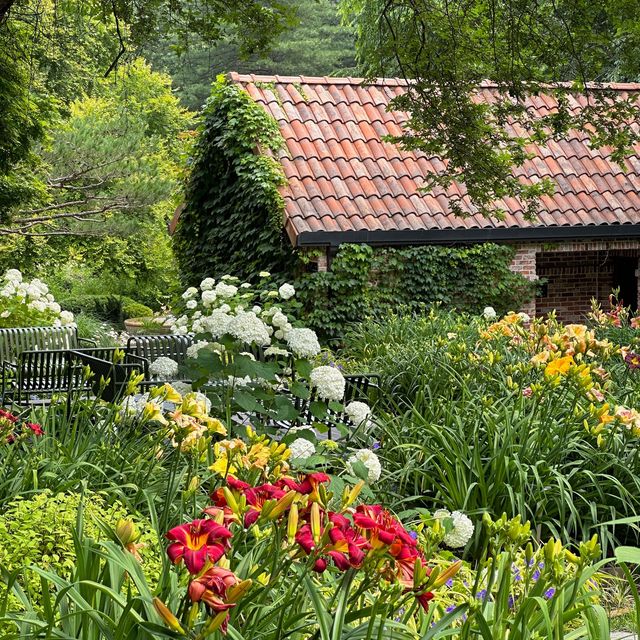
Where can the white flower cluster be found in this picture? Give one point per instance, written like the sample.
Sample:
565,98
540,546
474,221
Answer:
33,297
248,328
462,528
370,460
303,342
328,382
164,368
302,448
489,313
359,413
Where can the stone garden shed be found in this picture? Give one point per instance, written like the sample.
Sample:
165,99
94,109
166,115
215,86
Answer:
345,184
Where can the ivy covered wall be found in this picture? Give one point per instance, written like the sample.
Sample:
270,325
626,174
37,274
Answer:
232,221
364,282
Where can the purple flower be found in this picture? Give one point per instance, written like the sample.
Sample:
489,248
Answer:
449,582
536,575
481,595
549,593
450,608
511,602
413,535
376,445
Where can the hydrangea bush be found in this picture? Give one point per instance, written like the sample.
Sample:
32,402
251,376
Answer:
255,360
28,303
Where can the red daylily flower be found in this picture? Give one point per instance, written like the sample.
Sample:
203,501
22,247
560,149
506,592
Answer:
256,499
347,547
382,528
211,588
9,417
36,428
308,485
197,541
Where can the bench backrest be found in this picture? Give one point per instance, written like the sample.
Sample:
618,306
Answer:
16,340
163,345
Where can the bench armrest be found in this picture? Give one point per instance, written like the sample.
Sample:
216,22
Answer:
88,341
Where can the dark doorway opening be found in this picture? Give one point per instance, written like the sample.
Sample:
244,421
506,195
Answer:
624,276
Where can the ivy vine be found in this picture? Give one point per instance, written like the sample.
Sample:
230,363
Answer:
363,282
232,219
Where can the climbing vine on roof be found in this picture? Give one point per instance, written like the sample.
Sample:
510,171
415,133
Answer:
232,219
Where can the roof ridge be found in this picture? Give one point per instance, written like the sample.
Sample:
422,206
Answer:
397,82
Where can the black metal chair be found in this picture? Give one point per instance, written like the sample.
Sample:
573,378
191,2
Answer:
152,347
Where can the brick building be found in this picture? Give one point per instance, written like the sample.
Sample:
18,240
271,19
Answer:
346,184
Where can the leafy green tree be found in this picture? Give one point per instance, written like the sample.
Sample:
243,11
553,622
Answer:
111,172
446,49
318,45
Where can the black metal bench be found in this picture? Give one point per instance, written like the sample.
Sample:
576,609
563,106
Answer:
38,375
16,340
152,347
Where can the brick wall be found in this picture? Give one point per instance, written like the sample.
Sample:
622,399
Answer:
575,272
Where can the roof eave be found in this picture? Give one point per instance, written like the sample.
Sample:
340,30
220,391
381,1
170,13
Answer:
447,236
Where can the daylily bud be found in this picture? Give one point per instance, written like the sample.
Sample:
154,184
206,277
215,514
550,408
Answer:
447,574
282,505
353,494
168,617
214,625
231,500
315,522
292,523
236,592
126,531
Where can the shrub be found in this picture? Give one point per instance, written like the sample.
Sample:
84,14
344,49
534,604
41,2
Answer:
28,304
40,530
107,307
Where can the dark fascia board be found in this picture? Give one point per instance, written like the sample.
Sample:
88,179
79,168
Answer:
448,236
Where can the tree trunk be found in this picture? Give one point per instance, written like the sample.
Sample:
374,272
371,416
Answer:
5,5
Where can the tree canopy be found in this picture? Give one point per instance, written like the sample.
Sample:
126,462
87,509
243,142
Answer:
447,49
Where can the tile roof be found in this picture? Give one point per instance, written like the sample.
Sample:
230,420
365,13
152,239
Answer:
346,183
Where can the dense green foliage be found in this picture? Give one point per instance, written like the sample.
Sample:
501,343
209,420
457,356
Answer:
473,422
449,49
363,281
107,307
232,219
317,45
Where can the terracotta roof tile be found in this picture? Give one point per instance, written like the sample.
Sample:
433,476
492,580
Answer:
343,176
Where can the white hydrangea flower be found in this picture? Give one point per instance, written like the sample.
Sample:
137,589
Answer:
194,349
279,319
208,297
359,413
303,342
239,382
191,292
370,460
5,314
248,328
328,382
13,275
302,448
524,316
262,274
182,387
207,284
217,323
245,285
489,313
163,367
225,290
275,351
37,305
462,528
279,334
55,307
287,291
191,304
66,317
